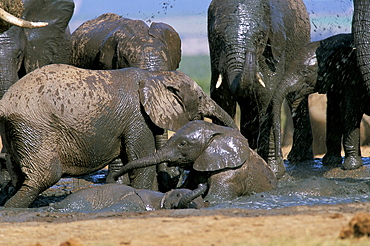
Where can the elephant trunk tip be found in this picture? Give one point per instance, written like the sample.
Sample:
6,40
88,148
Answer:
187,199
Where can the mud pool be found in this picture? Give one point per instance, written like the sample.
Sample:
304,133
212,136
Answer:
308,183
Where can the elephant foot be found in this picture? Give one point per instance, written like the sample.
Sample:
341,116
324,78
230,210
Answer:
352,162
331,160
294,157
277,166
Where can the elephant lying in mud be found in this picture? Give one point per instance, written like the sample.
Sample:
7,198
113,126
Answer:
61,120
216,155
117,198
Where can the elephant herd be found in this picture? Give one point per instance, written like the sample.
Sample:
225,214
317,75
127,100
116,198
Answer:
72,104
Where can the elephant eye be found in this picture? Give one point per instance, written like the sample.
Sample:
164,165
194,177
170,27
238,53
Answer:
183,143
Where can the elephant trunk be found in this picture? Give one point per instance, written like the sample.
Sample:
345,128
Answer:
218,115
19,22
242,78
361,33
150,160
185,201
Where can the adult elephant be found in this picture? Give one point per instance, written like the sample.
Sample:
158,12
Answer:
111,42
75,121
361,35
347,101
23,49
330,67
251,45
317,112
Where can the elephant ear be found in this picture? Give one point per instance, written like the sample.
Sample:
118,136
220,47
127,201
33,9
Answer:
170,38
226,149
48,44
170,99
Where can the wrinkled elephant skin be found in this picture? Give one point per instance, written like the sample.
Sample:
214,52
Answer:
24,49
117,198
216,155
111,41
252,43
62,120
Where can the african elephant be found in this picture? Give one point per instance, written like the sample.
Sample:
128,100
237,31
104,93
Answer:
111,41
215,155
347,101
61,120
361,36
330,67
118,197
317,112
251,45
23,49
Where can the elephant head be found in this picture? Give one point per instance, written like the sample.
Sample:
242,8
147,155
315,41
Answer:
24,49
111,42
201,146
361,36
216,155
165,98
183,198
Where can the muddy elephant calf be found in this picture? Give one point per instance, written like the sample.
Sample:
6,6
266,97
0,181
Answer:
61,120
216,155
118,197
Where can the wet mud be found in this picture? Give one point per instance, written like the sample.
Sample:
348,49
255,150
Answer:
309,185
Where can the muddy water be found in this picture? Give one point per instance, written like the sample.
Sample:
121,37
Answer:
311,183
308,183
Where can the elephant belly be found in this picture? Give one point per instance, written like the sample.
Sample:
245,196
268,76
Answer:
93,157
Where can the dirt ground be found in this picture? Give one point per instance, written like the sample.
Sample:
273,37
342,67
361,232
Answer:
303,225
300,225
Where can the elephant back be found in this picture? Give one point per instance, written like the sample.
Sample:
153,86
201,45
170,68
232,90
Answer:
257,176
86,39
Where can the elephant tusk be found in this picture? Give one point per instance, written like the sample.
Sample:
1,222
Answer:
260,80
19,22
219,81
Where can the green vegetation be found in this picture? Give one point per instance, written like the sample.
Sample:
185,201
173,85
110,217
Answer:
198,68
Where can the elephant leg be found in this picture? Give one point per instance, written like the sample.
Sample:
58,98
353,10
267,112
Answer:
43,176
168,177
267,145
302,135
334,129
274,159
351,136
143,145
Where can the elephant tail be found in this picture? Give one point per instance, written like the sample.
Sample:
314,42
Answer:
186,200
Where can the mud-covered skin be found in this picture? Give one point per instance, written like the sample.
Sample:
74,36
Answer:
117,197
62,120
216,155
252,44
25,49
111,41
